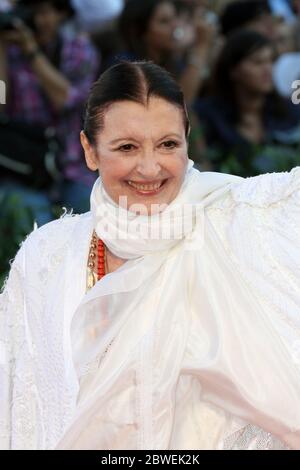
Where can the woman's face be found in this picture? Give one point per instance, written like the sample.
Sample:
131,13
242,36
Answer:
47,21
254,73
141,153
160,33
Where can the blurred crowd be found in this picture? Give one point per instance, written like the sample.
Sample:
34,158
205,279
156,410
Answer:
237,62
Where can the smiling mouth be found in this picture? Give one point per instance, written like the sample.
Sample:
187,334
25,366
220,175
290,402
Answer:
146,188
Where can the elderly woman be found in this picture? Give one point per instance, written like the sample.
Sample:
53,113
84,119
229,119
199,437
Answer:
167,317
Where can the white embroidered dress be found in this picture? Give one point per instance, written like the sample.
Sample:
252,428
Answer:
258,223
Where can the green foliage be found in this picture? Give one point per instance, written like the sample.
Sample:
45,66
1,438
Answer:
275,158
16,222
258,160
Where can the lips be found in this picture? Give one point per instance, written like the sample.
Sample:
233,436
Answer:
146,188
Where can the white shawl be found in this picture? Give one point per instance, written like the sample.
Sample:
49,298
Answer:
191,376
148,307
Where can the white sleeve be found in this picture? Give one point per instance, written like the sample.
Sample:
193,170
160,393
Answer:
253,367
275,269
11,340
265,240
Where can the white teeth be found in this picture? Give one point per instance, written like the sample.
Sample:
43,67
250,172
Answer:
145,187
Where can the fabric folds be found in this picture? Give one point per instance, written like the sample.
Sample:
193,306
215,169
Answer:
145,313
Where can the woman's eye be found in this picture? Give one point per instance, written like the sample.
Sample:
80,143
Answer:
126,147
169,144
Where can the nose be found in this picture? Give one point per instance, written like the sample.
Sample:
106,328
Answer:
148,167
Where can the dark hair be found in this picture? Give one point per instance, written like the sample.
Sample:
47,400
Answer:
59,5
238,13
134,81
239,46
134,21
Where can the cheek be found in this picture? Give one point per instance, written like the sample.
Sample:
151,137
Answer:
176,167
115,168
242,73
247,75
257,75
158,33
46,22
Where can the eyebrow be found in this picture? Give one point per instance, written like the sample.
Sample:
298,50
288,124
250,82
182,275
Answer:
120,139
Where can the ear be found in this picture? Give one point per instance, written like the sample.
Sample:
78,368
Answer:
89,152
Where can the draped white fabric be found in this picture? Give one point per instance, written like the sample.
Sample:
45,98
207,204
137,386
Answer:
147,310
130,236
206,336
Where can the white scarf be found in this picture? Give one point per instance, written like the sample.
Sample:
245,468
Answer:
130,236
146,307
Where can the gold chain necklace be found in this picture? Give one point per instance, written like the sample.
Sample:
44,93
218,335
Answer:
96,269
97,261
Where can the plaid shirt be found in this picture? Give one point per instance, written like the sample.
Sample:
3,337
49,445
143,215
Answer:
79,63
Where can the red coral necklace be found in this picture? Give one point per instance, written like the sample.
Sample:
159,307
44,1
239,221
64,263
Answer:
96,268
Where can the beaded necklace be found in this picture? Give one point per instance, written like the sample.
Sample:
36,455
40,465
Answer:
97,262
96,259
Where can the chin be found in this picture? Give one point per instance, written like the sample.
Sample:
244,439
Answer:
149,207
